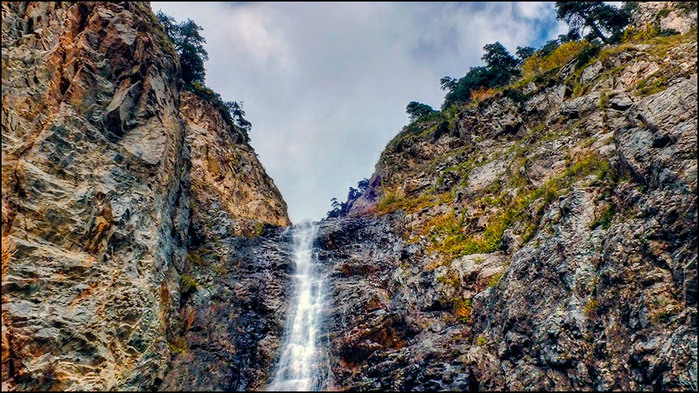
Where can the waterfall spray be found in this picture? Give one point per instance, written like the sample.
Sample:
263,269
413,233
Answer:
301,363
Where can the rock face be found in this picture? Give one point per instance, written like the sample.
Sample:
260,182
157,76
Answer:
232,313
544,238
236,274
113,178
667,14
226,171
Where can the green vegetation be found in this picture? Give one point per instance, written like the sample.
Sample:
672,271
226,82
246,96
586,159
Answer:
259,228
178,345
236,111
220,269
596,16
495,280
188,284
451,279
449,237
150,23
340,209
500,68
633,34
605,219
524,53
538,64
417,110
462,310
195,258
587,55
232,111
431,123
660,48
188,43
604,99
651,84
591,308
662,309
395,199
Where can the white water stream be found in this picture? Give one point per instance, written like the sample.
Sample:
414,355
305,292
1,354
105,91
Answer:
301,363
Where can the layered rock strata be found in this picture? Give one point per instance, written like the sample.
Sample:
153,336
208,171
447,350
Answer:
108,170
543,238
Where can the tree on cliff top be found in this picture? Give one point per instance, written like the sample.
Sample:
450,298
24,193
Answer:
595,15
416,110
501,63
340,209
523,53
500,67
189,44
237,113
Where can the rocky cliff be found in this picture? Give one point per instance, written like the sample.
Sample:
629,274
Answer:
542,237
114,178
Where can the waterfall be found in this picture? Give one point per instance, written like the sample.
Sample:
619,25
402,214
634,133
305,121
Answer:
303,365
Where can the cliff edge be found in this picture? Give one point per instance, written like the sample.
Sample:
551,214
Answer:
540,237
109,169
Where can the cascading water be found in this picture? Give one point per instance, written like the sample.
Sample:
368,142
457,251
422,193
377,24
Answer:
302,363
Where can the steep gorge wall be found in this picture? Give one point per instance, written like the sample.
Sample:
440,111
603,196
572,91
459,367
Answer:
226,171
237,270
543,238
108,170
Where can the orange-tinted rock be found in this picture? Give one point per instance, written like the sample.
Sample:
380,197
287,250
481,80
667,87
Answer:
97,151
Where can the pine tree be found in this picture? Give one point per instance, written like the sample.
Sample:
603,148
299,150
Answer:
595,15
189,44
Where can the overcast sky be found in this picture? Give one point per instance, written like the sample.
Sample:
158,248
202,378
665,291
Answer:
325,85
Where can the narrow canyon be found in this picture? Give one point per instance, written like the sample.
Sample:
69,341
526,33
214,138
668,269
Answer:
542,237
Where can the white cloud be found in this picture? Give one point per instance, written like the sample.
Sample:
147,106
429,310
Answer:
251,33
534,9
325,84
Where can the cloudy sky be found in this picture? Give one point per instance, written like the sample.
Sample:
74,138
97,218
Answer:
325,85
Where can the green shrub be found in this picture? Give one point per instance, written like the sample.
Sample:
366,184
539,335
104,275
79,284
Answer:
662,13
668,32
538,64
591,308
417,110
632,34
495,280
451,279
188,284
194,258
462,309
586,55
604,100
178,345
605,219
